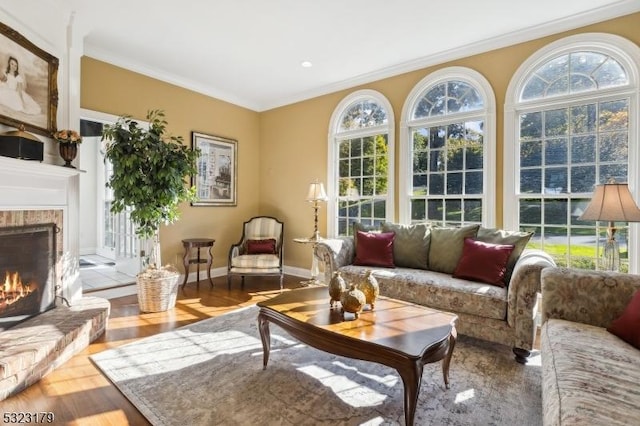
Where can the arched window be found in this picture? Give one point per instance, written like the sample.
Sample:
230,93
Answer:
360,181
570,114
448,150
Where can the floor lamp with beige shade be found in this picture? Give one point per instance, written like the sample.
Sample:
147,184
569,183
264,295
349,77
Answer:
612,202
315,195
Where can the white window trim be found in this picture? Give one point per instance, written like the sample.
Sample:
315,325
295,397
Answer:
479,82
622,50
332,169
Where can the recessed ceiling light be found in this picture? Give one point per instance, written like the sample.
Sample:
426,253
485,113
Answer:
306,64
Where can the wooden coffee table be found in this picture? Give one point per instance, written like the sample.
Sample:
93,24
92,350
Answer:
398,334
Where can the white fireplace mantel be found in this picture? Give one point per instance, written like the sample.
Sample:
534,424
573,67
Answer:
31,185
36,167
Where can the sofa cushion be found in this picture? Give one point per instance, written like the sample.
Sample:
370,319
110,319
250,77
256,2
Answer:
374,249
446,247
436,290
483,262
411,244
358,226
518,239
589,376
627,326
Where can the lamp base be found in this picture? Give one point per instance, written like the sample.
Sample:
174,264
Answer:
611,256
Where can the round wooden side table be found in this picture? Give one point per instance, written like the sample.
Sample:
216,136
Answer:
197,243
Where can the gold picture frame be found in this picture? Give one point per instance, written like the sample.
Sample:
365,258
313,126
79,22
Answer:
216,181
28,84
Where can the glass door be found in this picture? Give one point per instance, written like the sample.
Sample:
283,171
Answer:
115,233
118,232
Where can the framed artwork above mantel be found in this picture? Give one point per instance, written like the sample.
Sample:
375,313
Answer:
28,84
216,181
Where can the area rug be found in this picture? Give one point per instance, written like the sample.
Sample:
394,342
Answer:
210,373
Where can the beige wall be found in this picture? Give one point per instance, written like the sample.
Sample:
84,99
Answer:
109,89
282,150
294,137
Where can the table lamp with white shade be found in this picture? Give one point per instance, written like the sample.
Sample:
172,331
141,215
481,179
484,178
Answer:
612,202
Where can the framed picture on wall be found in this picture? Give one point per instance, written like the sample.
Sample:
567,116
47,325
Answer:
217,177
28,84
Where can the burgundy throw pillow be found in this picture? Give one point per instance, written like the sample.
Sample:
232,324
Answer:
374,249
484,262
627,326
267,246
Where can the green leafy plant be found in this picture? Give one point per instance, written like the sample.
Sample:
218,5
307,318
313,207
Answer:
150,172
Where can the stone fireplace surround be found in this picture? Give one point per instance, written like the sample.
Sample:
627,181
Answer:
33,192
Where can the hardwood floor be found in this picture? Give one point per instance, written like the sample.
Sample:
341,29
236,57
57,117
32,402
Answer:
78,394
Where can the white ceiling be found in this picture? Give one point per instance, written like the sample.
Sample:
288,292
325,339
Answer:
249,52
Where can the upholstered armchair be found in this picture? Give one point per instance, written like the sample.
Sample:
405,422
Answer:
260,250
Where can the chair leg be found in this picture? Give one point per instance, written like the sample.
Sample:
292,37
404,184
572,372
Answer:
281,276
242,283
228,281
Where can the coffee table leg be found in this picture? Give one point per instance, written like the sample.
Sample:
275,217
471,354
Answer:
447,359
411,377
265,335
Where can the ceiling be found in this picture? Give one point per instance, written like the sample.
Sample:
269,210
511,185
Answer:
249,52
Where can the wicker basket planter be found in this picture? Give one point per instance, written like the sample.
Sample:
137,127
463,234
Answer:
157,289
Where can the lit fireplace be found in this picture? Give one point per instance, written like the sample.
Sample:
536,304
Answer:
15,291
27,257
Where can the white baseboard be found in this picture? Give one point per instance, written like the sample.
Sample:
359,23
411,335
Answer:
297,272
215,272
222,271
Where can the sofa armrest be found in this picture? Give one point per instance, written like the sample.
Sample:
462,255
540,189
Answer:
522,296
533,257
586,296
335,253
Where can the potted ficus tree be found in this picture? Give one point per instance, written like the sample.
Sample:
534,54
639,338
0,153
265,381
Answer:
150,172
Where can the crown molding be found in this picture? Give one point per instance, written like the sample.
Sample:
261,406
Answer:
621,8
214,92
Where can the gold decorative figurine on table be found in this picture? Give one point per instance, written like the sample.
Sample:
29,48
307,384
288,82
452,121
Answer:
352,300
337,286
369,286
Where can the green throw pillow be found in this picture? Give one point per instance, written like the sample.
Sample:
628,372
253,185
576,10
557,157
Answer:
446,247
515,238
357,226
411,244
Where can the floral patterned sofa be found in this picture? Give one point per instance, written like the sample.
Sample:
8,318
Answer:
504,315
589,375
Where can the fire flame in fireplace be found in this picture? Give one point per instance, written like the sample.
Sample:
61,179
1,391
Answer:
14,289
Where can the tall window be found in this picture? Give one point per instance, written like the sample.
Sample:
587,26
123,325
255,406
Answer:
572,117
360,182
448,150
